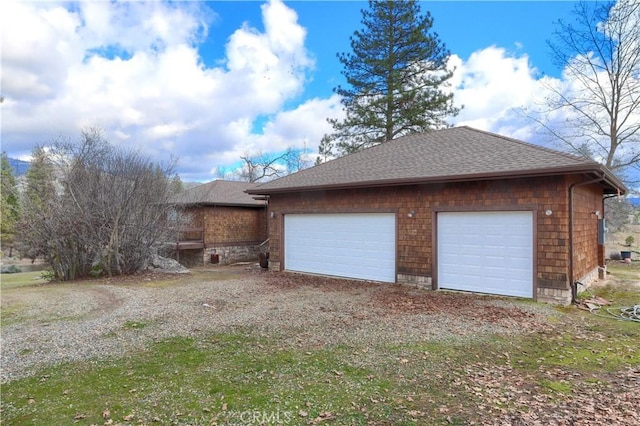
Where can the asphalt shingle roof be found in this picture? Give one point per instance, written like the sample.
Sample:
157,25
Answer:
221,193
459,153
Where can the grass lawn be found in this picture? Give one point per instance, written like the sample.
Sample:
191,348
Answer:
244,377
625,271
22,279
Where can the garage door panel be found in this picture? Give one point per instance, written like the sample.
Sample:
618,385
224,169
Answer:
488,252
351,245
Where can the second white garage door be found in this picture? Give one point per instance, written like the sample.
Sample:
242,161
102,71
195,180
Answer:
486,252
353,245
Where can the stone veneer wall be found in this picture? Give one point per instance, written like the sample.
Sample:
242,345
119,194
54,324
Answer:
591,277
555,296
190,258
228,254
415,281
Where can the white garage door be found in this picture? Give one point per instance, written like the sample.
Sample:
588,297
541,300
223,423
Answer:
486,252
354,245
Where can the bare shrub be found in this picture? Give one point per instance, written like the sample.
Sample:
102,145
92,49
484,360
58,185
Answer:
109,211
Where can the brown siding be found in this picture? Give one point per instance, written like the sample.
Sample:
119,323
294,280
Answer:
196,224
415,234
230,225
586,252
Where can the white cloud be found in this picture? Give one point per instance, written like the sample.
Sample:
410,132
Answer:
35,40
302,127
490,85
305,123
501,93
134,69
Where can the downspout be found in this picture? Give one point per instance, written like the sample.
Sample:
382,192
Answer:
266,215
574,284
214,234
263,255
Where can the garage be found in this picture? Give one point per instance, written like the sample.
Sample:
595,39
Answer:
350,245
486,252
474,211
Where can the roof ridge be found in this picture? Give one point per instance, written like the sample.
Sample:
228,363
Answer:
486,132
223,181
531,145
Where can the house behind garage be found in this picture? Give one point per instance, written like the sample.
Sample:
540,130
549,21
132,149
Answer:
226,224
458,209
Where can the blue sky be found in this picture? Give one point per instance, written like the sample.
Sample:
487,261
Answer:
210,81
465,26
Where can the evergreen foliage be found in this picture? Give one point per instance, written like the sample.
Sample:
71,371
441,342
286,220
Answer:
395,73
40,178
9,206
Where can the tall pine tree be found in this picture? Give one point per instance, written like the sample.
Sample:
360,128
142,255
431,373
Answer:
40,177
395,77
8,205
38,197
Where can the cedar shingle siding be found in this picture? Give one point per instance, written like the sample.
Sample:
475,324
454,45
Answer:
224,225
587,252
415,235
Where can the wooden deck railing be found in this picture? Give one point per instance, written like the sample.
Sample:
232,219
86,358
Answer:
190,238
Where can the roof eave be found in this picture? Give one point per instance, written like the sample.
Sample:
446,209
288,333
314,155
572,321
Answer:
209,204
617,186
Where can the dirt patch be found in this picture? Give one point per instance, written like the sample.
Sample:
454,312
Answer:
405,301
47,303
398,299
292,281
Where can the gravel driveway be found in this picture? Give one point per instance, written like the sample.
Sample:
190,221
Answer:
55,323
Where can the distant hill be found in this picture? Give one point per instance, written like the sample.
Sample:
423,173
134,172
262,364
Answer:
19,167
189,185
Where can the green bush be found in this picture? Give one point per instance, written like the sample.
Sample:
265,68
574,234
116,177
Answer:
11,269
630,240
96,271
48,275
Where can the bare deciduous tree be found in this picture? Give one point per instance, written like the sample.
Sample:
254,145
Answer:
599,107
109,212
296,159
260,166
